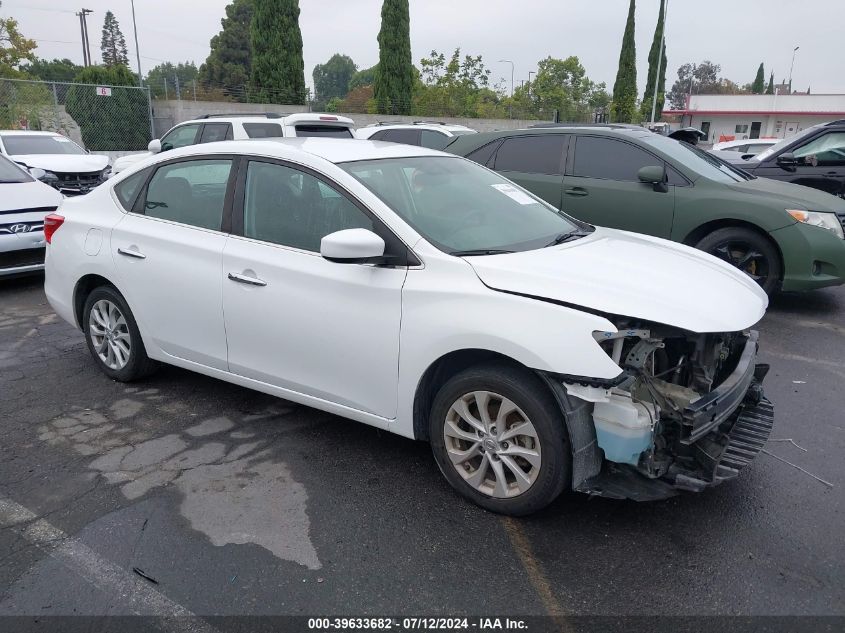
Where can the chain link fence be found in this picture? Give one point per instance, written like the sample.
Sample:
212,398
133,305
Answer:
100,118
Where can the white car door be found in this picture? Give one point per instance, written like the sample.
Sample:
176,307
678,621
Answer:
295,320
168,253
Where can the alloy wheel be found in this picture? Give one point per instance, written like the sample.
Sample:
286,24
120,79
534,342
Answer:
744,256
492,444
110,334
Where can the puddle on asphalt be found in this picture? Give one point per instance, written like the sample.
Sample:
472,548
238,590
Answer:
233,490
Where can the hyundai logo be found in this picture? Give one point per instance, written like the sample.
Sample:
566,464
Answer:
20,228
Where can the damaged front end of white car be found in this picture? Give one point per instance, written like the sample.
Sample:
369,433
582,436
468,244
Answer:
687,412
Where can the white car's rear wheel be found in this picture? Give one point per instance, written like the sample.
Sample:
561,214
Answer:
499,437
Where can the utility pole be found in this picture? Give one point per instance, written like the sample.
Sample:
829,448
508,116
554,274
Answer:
83,27
137,52
791,66
507,61
659,62
530,72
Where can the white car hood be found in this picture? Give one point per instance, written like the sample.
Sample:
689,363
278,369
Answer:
16,196
627,274
64,163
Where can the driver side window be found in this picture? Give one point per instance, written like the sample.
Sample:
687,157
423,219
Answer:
180,137
824,151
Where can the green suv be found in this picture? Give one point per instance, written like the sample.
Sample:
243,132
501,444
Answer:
785,236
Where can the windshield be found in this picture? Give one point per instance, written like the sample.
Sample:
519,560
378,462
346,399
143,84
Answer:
16,144
696,159
10,172
777,147
460,206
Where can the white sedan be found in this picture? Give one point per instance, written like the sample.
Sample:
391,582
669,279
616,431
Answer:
423,294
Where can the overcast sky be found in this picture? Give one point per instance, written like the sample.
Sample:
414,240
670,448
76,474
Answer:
738,34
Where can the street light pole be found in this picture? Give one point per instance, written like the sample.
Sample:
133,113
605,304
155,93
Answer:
659,62
507,61
791,66
530,72
137,51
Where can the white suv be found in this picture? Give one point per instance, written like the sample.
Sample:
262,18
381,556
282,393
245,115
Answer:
227,127
422,133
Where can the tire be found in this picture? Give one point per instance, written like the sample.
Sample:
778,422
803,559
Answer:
113,338
495,451
752,253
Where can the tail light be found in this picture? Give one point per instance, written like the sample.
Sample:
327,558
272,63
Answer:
328,118
52,223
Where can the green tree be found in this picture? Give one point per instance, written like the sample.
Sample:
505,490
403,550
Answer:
562,86
759,85
700,78
278,71
656,59
186,73
14,48
394,78
227,69
55,70
119,122
770,89
453,87
625,86
365,77
113,44
332,78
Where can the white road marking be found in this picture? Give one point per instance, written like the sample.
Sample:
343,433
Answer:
103,574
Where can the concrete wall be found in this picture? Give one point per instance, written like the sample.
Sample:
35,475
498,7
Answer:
166,114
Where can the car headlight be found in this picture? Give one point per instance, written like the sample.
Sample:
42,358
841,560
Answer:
824,220
49,178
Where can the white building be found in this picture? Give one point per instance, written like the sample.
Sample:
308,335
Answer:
729,117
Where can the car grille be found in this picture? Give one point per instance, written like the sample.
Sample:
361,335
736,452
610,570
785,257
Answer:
78,182
24,257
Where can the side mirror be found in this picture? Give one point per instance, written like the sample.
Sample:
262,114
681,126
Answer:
654,175
154,147
787,159
352,246
37,173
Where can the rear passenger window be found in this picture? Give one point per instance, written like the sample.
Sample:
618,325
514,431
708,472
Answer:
408,137
609,159
263,130
127,190
434,140
212,132
531,154
286,206
190,192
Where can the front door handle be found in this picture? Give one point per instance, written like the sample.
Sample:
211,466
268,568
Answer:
131,252
245,279
576,191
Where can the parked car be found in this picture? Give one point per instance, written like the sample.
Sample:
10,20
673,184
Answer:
782,235
538,353
744,147
24,201
67,166
226,127
423,133
815,157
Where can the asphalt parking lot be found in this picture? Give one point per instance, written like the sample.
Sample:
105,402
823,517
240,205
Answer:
233,502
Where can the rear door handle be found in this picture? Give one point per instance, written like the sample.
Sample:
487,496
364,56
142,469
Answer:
131,252
245,279
576,191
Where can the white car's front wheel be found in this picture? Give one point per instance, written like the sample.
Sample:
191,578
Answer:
499,438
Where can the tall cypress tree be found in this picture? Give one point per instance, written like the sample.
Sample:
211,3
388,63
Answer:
278,71
113,44
770,89
759,85
625,87
229,63
655,57
394,78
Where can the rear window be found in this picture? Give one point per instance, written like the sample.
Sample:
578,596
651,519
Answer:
263,130
330,131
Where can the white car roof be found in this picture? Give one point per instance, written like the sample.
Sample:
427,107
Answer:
28,132
746,141
449,127
333,150
283,119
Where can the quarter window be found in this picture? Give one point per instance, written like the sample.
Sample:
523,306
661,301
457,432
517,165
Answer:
484,154
293,208
609,159
531,154
180,137
126,190
190,192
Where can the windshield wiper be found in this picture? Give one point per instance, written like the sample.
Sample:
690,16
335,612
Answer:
480,251
567,237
